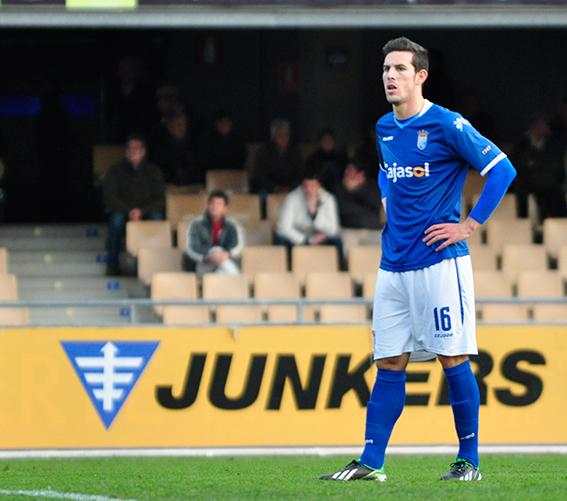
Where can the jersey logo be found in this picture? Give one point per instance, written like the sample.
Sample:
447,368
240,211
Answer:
395,172
460,122
422,139
109,371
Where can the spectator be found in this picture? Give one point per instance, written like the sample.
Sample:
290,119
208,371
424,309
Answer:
358,198
214,241
133,190
277,164
173,150
223,147
327,160
309,216
538,157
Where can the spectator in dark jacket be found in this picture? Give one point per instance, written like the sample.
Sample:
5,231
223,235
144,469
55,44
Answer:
133,190
223,147
277,166
327,160
358,198
539,159
214,241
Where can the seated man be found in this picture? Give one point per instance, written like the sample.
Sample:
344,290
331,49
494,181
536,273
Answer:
133,189
358,198
309,216
214,241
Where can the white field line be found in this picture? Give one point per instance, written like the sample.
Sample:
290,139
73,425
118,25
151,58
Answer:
273,451
48,493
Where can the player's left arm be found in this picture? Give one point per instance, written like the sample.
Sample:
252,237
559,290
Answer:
486,158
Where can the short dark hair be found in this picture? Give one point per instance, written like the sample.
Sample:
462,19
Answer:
420,58
218,194
360,164
136,137
311,171
326,132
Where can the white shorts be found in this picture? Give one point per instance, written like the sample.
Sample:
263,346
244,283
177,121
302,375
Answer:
425,312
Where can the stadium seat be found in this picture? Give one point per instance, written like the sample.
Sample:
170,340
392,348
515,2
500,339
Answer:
9,292
477,238
473,186
369,285
217,286
550,312
273,205
356,236
562,261
182,228
501,232
152,260
263,258
504,312
257,232
244,207
147,234
356,313
178,285
227,180
554,235
278,286
329,285
104,157
3,261
363,259
507,208
492,284
483,257
182,205
540,284
516,258
313,258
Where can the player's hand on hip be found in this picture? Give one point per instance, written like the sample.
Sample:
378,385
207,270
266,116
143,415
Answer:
450,233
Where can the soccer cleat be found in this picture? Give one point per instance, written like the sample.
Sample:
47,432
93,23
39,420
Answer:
462,470
355,470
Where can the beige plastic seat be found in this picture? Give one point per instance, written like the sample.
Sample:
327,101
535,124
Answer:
273,205
104,157
182,205
477,237
257,232
217,286
227,180
3,261
147,234
507,208
178,285
280,285
182,228
152,260
369,285
263,258
562,261
313,258
554,235
492,284
501,232
516,258
540,284
9,292
244,207
363,259
504,312
338,285
550,312
483,257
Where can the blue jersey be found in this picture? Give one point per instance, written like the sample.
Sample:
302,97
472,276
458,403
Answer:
423,165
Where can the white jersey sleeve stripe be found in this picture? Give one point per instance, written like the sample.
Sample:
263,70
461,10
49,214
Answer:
494,161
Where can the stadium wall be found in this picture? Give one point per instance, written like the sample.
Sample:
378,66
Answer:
258,387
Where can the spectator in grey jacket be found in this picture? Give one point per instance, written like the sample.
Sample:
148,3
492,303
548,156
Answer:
309,216
215,241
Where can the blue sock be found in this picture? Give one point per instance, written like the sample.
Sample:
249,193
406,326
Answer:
465,401
384,408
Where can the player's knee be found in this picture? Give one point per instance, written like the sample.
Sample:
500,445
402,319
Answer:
392,363
448,362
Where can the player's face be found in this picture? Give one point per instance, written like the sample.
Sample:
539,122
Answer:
401,82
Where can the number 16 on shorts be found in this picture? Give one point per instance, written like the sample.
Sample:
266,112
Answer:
442,317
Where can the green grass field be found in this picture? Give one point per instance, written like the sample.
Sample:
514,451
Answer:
520,477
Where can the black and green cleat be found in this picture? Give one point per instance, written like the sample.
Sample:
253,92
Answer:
355,470
462,470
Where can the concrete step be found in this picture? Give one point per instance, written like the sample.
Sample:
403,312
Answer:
49,244
57,269
131,285
79,316
89,257
71,294
85,230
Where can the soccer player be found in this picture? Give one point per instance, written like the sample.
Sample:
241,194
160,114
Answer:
424,300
